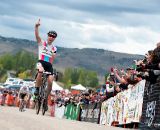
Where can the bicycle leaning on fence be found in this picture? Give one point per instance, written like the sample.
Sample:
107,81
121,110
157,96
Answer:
40,101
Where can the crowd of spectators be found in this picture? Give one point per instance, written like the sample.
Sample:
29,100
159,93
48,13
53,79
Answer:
143,69
87,97
116,81
8,97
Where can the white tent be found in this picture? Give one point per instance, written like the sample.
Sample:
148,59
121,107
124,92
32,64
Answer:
78,87
55,86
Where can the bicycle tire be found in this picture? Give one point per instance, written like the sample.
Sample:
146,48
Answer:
38,106
43,98
43,107
40,102
21,106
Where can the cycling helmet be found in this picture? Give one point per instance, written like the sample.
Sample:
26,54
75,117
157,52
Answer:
52,33
25,87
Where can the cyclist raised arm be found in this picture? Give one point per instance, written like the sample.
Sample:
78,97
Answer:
38,38
47,52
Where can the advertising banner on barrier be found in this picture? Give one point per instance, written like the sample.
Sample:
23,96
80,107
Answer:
59,111
72,111
125,107
90,113
104,110
111,111
151,107
135,101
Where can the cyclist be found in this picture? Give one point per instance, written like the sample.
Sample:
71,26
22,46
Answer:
23,93
47,52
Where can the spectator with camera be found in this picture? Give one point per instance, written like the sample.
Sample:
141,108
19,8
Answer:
122,79
150,65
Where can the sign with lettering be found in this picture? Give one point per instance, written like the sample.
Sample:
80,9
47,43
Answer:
151,107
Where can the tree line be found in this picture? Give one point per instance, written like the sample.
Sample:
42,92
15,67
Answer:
23,64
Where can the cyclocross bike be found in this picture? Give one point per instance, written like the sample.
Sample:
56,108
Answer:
41,99
21,105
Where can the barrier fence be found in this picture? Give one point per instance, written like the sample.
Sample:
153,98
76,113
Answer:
125,107
122,109
72,111
90,113
87,113
151,107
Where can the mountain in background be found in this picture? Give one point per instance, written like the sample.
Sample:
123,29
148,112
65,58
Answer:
98,60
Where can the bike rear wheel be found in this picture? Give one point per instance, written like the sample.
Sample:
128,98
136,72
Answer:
21,106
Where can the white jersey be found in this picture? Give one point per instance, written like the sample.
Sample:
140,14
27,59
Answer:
46,51
24,89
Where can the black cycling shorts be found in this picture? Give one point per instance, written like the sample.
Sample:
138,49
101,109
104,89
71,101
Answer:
47,66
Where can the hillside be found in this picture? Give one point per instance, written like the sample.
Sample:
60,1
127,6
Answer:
98,60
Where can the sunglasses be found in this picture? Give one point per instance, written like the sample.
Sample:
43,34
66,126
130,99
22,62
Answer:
52,36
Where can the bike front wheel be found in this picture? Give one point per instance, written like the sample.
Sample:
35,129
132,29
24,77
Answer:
44,106
38,106
21,106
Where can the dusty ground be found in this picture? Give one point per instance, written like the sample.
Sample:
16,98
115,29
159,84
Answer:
12,119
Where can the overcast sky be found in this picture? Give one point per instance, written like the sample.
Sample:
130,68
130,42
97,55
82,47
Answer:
130,26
